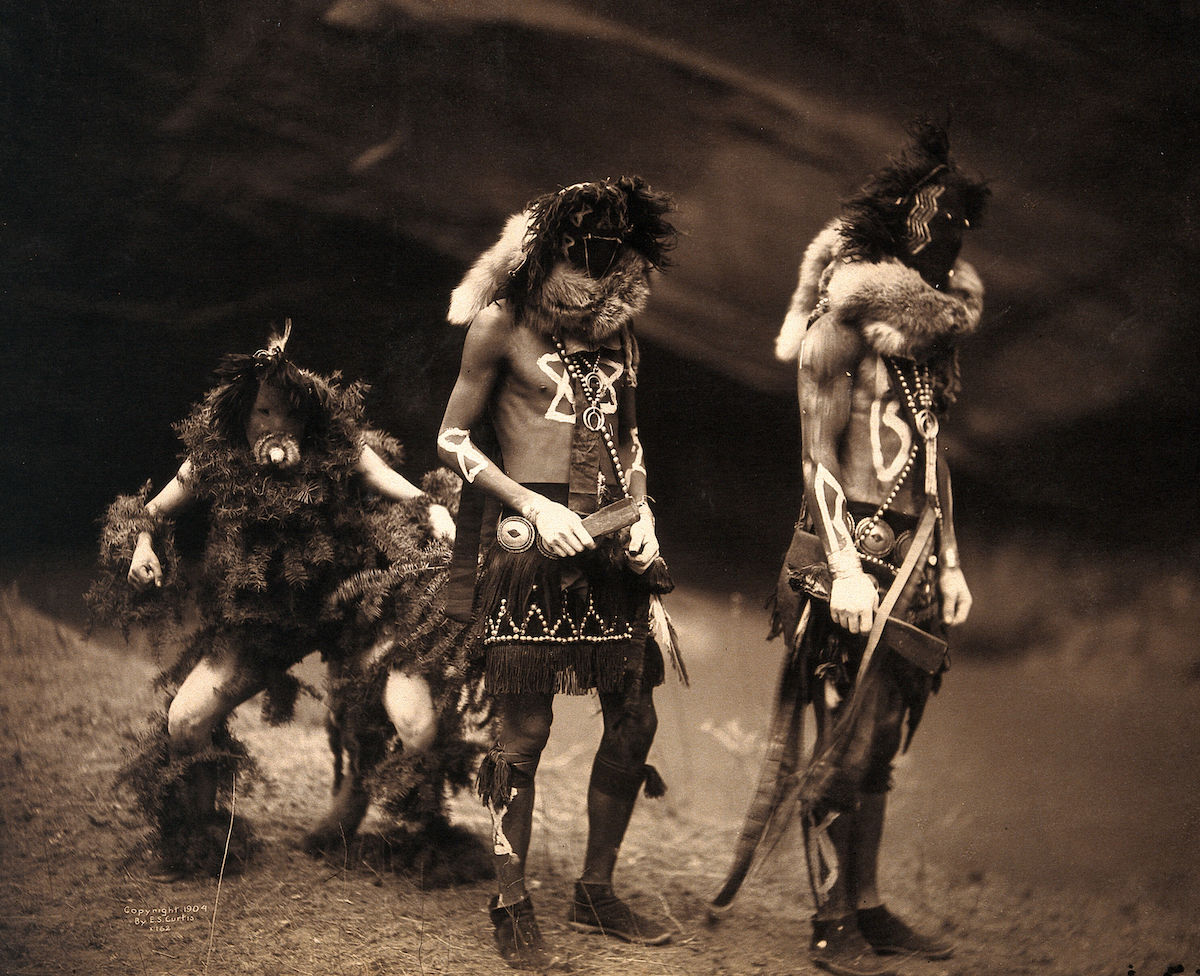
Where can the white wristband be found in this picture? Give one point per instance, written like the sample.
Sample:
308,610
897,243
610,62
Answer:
844,562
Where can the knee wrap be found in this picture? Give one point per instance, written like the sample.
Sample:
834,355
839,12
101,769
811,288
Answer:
502,772
615,779
618,780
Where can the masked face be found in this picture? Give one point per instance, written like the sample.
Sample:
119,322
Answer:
598,242
274,429
594,253
936,221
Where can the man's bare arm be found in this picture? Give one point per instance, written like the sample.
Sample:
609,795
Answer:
956,597
484,353
144,568
389,483
643,540
384,479
828,358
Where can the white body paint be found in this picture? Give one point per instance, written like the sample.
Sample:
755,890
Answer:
888,417
500,843
457,441
564,394
835,521
639,458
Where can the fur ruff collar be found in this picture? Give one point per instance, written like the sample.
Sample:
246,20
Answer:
889,303
568,303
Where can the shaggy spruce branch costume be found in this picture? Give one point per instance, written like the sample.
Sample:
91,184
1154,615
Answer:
297,559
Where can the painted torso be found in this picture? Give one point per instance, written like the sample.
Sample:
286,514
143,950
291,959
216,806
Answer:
535,403
878,440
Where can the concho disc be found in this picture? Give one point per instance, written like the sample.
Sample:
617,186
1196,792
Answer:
875,539
515,533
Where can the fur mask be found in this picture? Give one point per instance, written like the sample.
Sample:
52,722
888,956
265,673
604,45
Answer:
888,265
576,262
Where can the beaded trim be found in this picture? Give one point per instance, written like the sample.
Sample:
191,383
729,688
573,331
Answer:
503,629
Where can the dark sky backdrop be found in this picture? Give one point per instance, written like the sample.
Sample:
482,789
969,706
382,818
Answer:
177,177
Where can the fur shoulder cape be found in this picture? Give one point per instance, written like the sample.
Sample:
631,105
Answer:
889,303
483,282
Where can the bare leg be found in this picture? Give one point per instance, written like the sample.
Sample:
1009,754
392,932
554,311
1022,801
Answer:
206,697
338,827
525,721
868,834
409,706
617,775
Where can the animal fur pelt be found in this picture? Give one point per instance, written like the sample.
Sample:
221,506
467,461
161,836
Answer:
898,313
865,269
528,266
487,277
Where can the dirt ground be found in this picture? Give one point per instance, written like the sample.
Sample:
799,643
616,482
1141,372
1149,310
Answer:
1007,835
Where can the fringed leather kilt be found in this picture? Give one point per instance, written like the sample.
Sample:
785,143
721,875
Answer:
565,625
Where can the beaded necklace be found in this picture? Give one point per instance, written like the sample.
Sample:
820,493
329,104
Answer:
592,384
921,407
919,398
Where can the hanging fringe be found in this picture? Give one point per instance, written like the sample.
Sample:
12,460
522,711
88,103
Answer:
493,782
564,669
663,632
654,785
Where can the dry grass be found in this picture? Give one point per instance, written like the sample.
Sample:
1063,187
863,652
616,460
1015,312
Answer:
74,881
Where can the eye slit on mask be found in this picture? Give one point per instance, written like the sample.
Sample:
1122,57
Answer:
594,254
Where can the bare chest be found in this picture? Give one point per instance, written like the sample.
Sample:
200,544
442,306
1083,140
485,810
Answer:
544,390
